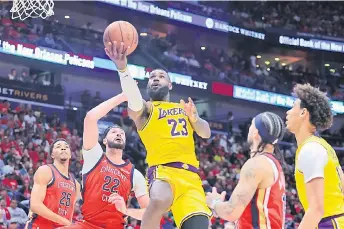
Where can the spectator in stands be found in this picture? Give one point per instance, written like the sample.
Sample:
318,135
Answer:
46,80
166,222
85,100
5,144
19,108
14,224
13,74
87,26
18,215
4,213
10,183
25,78
3,208
230,119
49,40
97,99
30,118
26,189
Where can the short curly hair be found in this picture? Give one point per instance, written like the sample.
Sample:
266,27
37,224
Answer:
317,104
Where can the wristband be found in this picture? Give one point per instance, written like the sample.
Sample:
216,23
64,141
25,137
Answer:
193,121
123,70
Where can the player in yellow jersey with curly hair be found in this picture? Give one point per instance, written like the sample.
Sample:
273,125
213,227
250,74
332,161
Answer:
166,130
319,176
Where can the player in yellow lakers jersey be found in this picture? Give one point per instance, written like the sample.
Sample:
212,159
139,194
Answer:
318,174
166,130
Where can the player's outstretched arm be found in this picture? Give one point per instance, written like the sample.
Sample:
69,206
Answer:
135,101
120,204
90,137
141,194
42,178
200,126
251,175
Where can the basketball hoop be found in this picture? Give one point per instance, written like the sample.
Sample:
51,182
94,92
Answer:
23,9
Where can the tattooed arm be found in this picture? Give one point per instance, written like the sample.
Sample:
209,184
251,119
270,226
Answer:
250,177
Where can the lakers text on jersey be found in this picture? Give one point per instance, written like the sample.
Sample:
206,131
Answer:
168,135
168,138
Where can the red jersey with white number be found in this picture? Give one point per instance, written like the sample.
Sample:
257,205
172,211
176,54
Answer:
98,184
59,198
267,207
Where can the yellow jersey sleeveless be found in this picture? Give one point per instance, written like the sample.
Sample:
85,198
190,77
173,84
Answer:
334,195
168,135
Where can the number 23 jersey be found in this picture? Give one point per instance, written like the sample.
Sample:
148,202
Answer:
168,135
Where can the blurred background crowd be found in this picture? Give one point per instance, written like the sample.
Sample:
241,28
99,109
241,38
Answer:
27,128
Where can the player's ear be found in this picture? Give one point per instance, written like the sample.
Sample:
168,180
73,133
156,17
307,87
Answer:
256,135
104,141
170,86
303,111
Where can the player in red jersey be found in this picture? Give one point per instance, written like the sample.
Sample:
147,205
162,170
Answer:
108,180
54,192
258,201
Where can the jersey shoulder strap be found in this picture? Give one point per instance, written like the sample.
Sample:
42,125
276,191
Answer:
72,178
132,175
52,181
276,166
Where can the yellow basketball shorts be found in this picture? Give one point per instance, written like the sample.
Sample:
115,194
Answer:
188,193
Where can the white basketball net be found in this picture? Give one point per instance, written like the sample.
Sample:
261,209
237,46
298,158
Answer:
23,9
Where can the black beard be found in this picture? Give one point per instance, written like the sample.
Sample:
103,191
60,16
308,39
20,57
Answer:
114,145
247,149
159,94
248,145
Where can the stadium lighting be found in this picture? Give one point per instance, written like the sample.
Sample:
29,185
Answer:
268,69
67,17
327,65
202,48
267,62
332,70
277,59
284,64
257,66
75,108
259,56
143,34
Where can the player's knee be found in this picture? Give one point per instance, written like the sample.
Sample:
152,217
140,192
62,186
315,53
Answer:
196,222
161,203
161,196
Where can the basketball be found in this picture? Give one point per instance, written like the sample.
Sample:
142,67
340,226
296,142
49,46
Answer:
121,31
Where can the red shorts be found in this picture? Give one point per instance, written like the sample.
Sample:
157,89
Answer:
87,225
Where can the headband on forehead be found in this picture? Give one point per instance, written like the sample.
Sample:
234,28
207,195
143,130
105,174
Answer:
263,130
109,128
